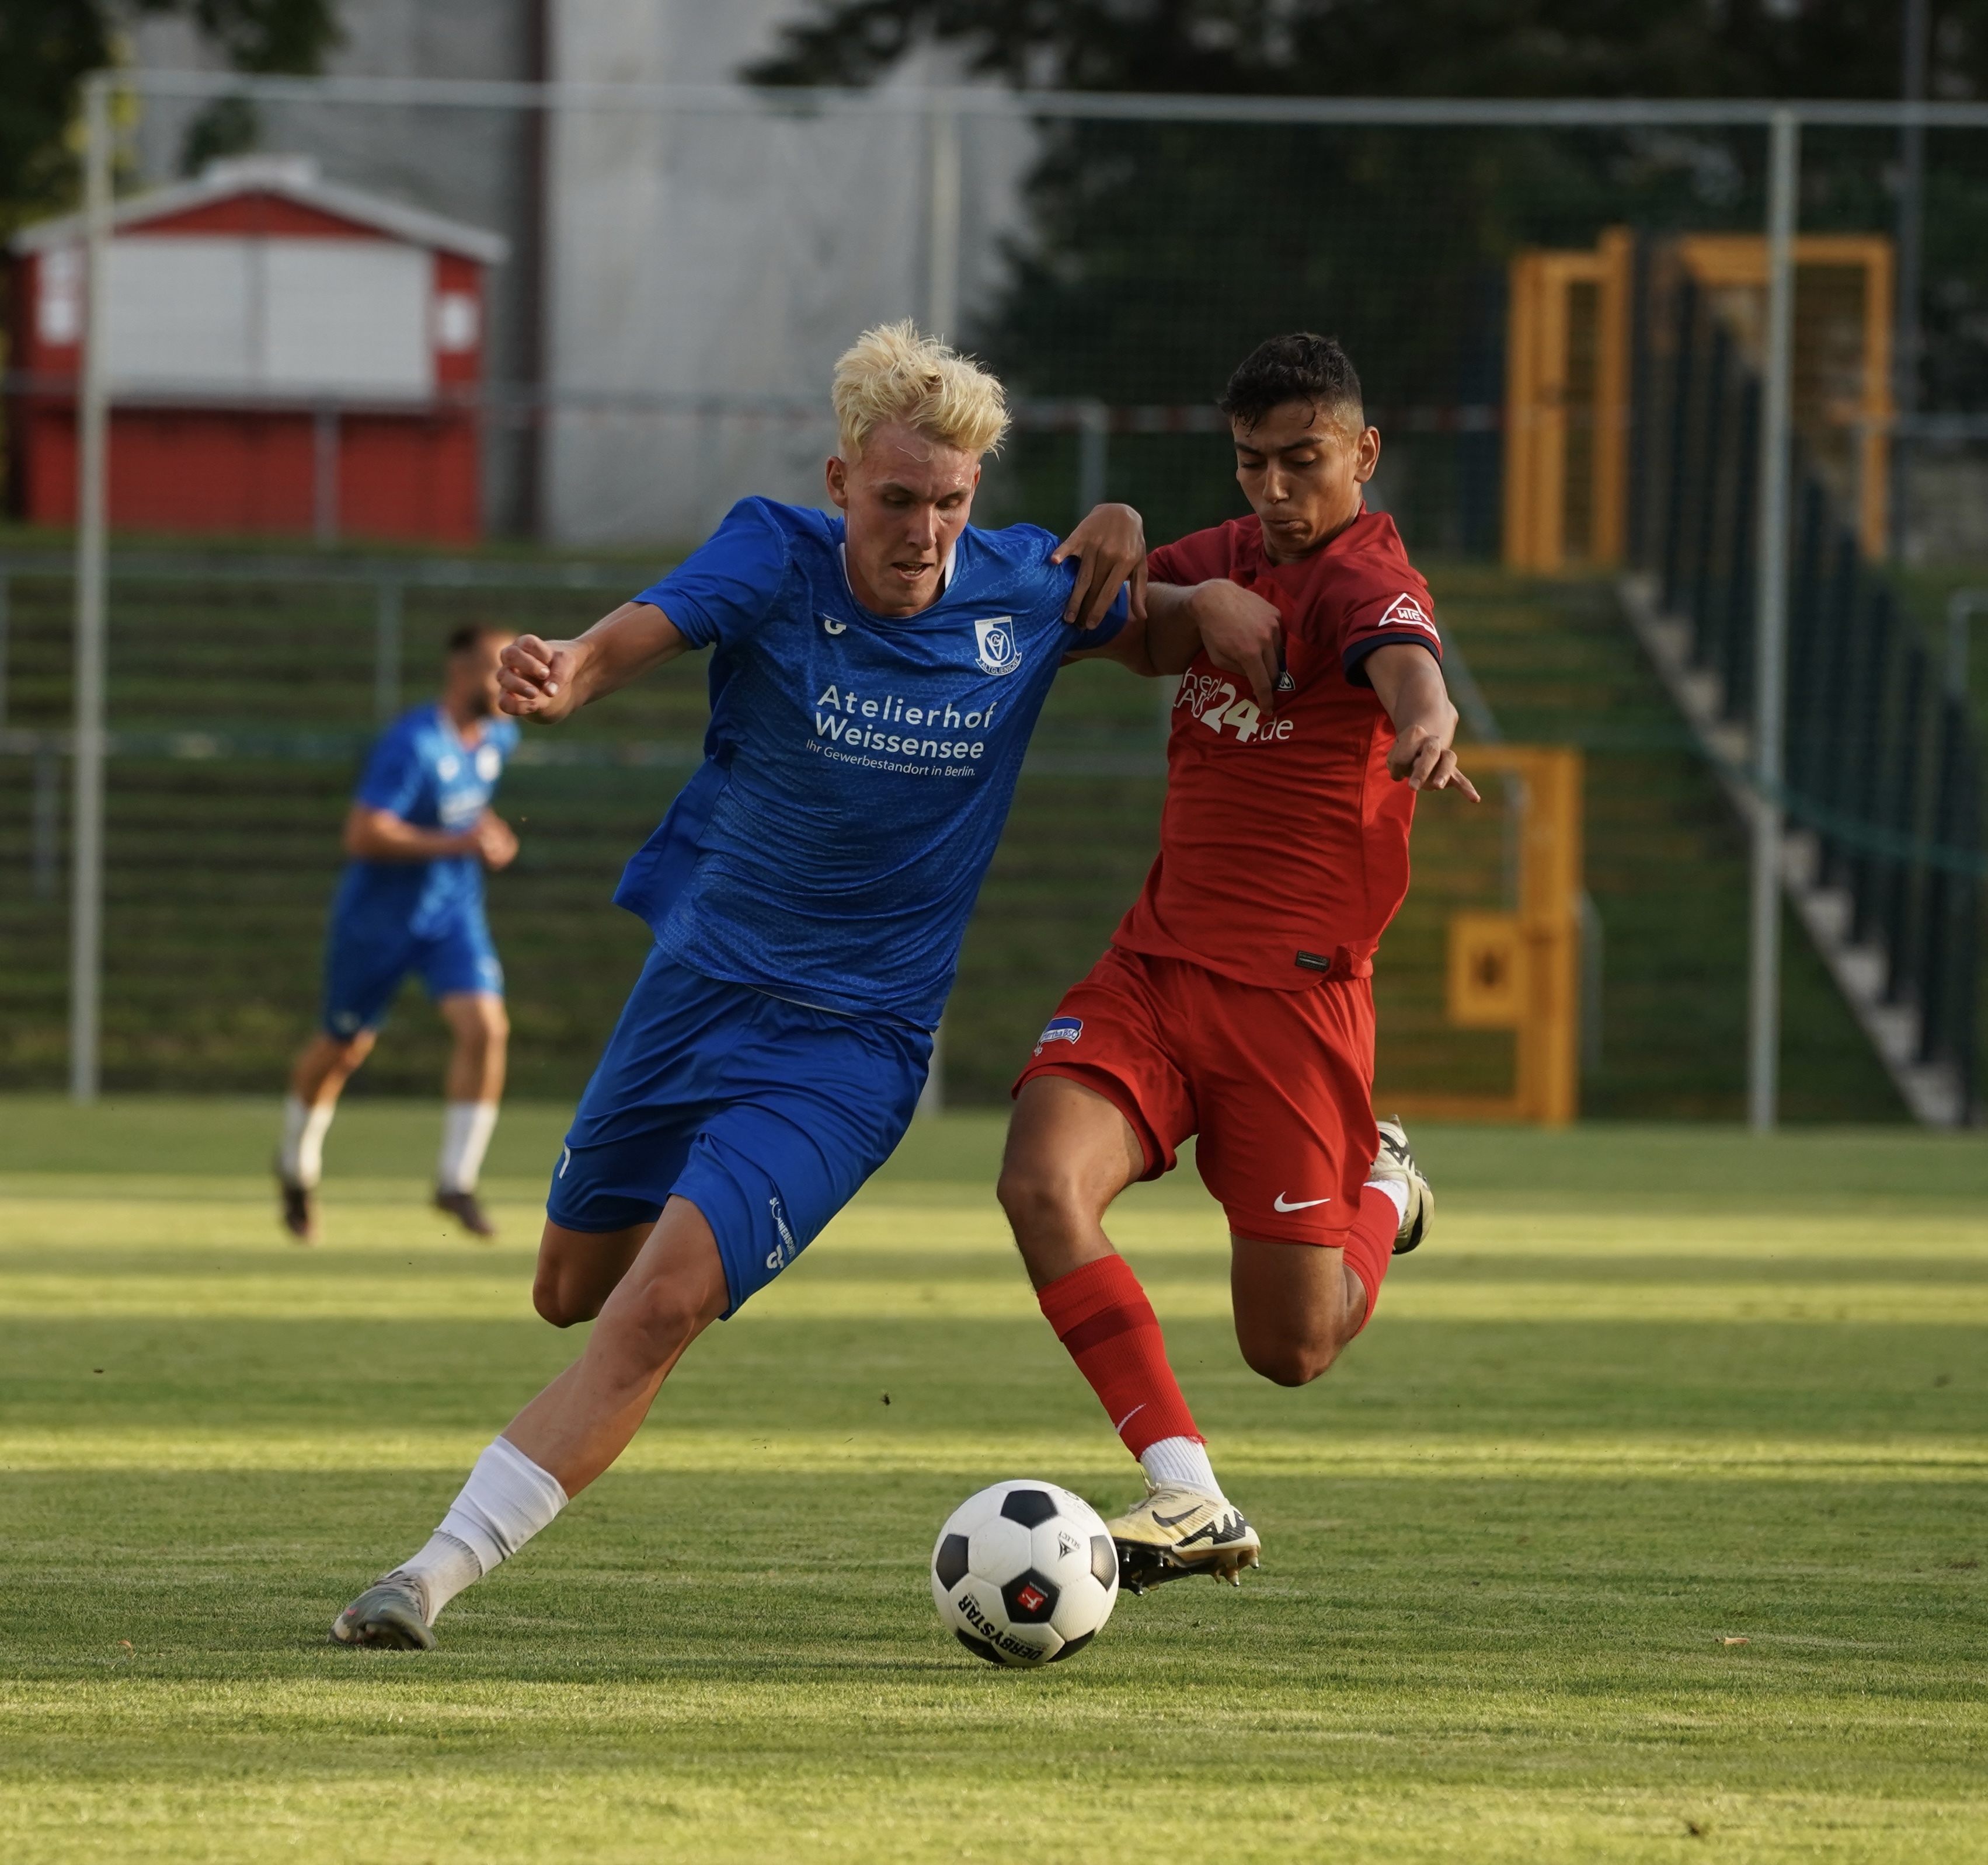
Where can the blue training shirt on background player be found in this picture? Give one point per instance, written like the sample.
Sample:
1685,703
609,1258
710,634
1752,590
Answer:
810,887
391,917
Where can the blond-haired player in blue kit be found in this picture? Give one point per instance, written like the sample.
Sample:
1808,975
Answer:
874,679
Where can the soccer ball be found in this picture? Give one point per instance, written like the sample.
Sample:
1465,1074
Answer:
1024,1574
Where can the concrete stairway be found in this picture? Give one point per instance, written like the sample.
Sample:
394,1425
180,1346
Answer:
1933,1091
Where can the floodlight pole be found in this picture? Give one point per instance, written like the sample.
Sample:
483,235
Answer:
1770,625
85,933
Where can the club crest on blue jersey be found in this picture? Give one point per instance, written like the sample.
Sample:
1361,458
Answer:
995,638
1061,1029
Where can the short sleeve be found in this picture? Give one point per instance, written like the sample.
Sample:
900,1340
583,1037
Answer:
1108,630
1062,579
394,777
1394,613
722,592
1195,558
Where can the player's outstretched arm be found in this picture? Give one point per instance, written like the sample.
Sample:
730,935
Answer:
1242,632
379,835
550,681
1408,683
1110,545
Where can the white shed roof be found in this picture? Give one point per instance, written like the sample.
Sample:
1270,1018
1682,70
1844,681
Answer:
294,177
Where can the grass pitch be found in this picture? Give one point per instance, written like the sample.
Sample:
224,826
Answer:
1647,1522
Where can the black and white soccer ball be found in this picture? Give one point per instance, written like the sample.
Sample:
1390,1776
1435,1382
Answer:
1024,1574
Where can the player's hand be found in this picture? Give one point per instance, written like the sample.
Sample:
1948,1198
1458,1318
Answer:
1110,546
493,840
1241,634
540,680
1425,760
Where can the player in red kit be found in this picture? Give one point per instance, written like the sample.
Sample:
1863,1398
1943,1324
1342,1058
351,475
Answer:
1234,1002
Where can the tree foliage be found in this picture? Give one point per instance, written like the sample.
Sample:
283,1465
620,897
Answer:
1157,253
1399,48
47,47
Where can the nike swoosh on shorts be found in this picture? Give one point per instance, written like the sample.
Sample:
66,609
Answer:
1284,1204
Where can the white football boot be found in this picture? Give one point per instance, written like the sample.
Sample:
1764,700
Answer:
1173,1530
1397,1163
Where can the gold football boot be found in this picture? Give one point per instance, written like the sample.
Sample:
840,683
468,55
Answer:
1173,1532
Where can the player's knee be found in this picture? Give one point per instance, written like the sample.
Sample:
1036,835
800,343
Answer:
653,1321
485,1030
350,1052
1289,1359
478,1019
1035,1192
557,1301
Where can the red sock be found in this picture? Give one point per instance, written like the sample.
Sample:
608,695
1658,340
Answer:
1101,1314
1370,1245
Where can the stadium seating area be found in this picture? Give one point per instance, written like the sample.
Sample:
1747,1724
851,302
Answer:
220,864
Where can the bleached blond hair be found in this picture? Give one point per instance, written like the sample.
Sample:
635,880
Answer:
891,373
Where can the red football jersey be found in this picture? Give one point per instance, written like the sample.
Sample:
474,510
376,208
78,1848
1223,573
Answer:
1284,845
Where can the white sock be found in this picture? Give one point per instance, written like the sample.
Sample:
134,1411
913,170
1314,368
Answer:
507,1500
1397,1196
1179,1460
301,1156
441,1571
466,1128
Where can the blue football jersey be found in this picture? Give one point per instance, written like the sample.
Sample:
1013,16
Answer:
422,771
858,768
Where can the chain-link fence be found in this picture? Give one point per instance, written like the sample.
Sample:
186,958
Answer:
605,355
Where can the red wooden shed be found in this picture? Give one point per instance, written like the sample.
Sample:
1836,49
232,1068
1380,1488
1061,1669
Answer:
285,355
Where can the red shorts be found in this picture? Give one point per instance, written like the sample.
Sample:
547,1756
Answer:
1279,1084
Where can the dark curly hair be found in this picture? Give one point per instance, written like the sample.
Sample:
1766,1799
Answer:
1299,367
473,634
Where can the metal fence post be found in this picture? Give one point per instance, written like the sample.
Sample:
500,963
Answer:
1962,608
1764,1019
1094,452
1906,342
87,831
387,654
324,474
45,833
942,225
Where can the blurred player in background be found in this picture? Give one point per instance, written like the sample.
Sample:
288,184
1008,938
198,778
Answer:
420,833
1234,1002
874,681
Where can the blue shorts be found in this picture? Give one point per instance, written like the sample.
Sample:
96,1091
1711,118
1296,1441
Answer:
766,1115
363,967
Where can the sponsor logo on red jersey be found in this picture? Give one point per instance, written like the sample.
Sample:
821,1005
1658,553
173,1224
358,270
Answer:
1405,612
1215,703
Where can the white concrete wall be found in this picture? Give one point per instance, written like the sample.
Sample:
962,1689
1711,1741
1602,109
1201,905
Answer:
712,256
731,256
